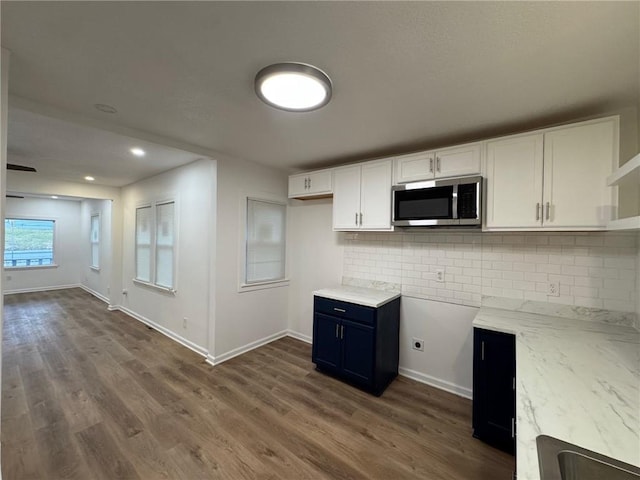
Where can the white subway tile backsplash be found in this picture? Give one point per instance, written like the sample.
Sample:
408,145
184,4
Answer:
596,270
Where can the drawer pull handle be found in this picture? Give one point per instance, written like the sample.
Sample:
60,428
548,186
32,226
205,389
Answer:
339,310
337,330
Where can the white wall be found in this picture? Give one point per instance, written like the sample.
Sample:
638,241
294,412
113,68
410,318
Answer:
447,335
4,83
192,187
67,244
96,280
249,318
315,259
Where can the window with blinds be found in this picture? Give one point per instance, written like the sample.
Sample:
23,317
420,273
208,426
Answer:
164,244
265,242
155,244
95,240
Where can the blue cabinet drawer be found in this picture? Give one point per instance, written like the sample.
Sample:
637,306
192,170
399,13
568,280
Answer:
340,309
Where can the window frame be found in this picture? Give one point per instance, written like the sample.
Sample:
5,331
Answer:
152,282
54,242
98,243
243,285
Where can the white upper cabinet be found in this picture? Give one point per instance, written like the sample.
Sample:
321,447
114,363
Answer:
311,184
362,196
446,162
514,181
554,179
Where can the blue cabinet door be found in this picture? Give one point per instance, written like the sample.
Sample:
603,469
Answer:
357,351
494,388
326,341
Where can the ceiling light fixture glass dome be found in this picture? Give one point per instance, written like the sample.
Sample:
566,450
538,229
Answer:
294,87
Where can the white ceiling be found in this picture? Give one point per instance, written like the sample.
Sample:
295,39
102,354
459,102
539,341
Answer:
407,75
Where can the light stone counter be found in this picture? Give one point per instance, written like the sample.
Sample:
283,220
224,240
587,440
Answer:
576,380
362,296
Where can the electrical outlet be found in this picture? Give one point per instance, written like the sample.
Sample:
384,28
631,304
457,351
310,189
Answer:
8,277
553,289
439,274
417,344
184,322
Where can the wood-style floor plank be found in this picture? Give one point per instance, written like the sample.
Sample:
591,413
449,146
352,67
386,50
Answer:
88,393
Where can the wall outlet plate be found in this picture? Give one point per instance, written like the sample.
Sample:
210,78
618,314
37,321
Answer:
417,344
553,289
439,273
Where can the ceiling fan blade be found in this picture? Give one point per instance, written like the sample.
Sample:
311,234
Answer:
8,195
20,168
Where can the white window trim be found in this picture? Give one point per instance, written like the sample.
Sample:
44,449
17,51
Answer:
96,268
151,284
54,264
242,254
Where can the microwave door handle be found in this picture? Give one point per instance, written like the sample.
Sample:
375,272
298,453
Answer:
454,202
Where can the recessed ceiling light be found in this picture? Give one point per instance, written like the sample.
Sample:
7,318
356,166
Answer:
55,197
294,87
104,108
138,152
89,178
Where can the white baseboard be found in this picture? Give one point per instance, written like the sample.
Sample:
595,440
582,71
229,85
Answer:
41,289
218,359
99,296
299,336
165,331
436,382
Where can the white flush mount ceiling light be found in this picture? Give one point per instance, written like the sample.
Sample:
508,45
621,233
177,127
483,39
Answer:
294,87
89,178
138,152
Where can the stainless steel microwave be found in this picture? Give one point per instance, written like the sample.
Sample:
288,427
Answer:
449,202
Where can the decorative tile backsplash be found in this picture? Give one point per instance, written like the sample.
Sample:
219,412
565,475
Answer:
596,270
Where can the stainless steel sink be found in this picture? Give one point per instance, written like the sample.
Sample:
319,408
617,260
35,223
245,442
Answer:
564,461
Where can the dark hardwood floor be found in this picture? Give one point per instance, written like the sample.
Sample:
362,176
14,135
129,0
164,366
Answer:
92,394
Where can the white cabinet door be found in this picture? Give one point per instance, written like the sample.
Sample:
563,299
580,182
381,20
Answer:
375,195
458,161
448,162
414,167
298,185
577,161
346,198
311,184
514,182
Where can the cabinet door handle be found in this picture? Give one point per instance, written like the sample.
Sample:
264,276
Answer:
438,164
548,210
306,183
309,183
482,352
356,218
538,211
514,384
341,332
337,326
339,309
360,218
513,427
431,165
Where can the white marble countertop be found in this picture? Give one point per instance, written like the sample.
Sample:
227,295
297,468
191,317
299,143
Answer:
576,380
369,297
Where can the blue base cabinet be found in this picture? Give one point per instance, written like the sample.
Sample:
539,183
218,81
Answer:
357,343
494,385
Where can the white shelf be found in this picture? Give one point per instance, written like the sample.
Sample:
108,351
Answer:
629,223
628,172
